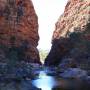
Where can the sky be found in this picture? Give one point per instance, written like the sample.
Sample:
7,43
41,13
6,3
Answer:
48,12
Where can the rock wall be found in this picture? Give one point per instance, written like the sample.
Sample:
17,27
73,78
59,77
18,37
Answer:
76,16
71,38
18,30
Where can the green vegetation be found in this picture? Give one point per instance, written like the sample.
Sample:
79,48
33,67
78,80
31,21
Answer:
43,54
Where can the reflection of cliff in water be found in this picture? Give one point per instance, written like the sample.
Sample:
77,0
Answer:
36,77
47,82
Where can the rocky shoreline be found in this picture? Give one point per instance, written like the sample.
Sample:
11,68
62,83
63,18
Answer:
21,77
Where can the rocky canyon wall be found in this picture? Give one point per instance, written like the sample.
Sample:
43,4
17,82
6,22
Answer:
71,38
75,18
18,31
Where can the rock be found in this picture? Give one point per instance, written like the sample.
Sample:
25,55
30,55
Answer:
67,63
19,30
18,71
60,47
74,73
75,18
71,38
51,71
88,79
22,85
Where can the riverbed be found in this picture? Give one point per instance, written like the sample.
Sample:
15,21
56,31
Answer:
35,77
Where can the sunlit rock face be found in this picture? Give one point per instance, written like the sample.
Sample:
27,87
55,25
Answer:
76,16
72,33
19,29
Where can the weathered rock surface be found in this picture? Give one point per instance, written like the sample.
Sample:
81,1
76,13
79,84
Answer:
60,47
18,30
75,18
71,38
18,85
74,73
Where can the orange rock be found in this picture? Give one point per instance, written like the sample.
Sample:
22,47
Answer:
19,27
71,37
76,14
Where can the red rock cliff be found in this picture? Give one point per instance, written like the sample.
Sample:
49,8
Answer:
76,16
71,38
19,28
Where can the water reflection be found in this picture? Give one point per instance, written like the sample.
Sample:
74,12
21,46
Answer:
45,82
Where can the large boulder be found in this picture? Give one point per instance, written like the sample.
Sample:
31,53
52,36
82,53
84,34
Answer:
74,73
18,30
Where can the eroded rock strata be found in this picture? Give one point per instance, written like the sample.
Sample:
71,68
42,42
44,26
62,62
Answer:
18,31
71,38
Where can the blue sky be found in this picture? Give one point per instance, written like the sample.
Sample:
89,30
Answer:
48,12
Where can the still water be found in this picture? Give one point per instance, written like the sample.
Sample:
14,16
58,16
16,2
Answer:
46,82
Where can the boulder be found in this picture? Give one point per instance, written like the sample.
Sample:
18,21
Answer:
74,73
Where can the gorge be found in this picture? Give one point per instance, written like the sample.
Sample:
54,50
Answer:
71,38
68,62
